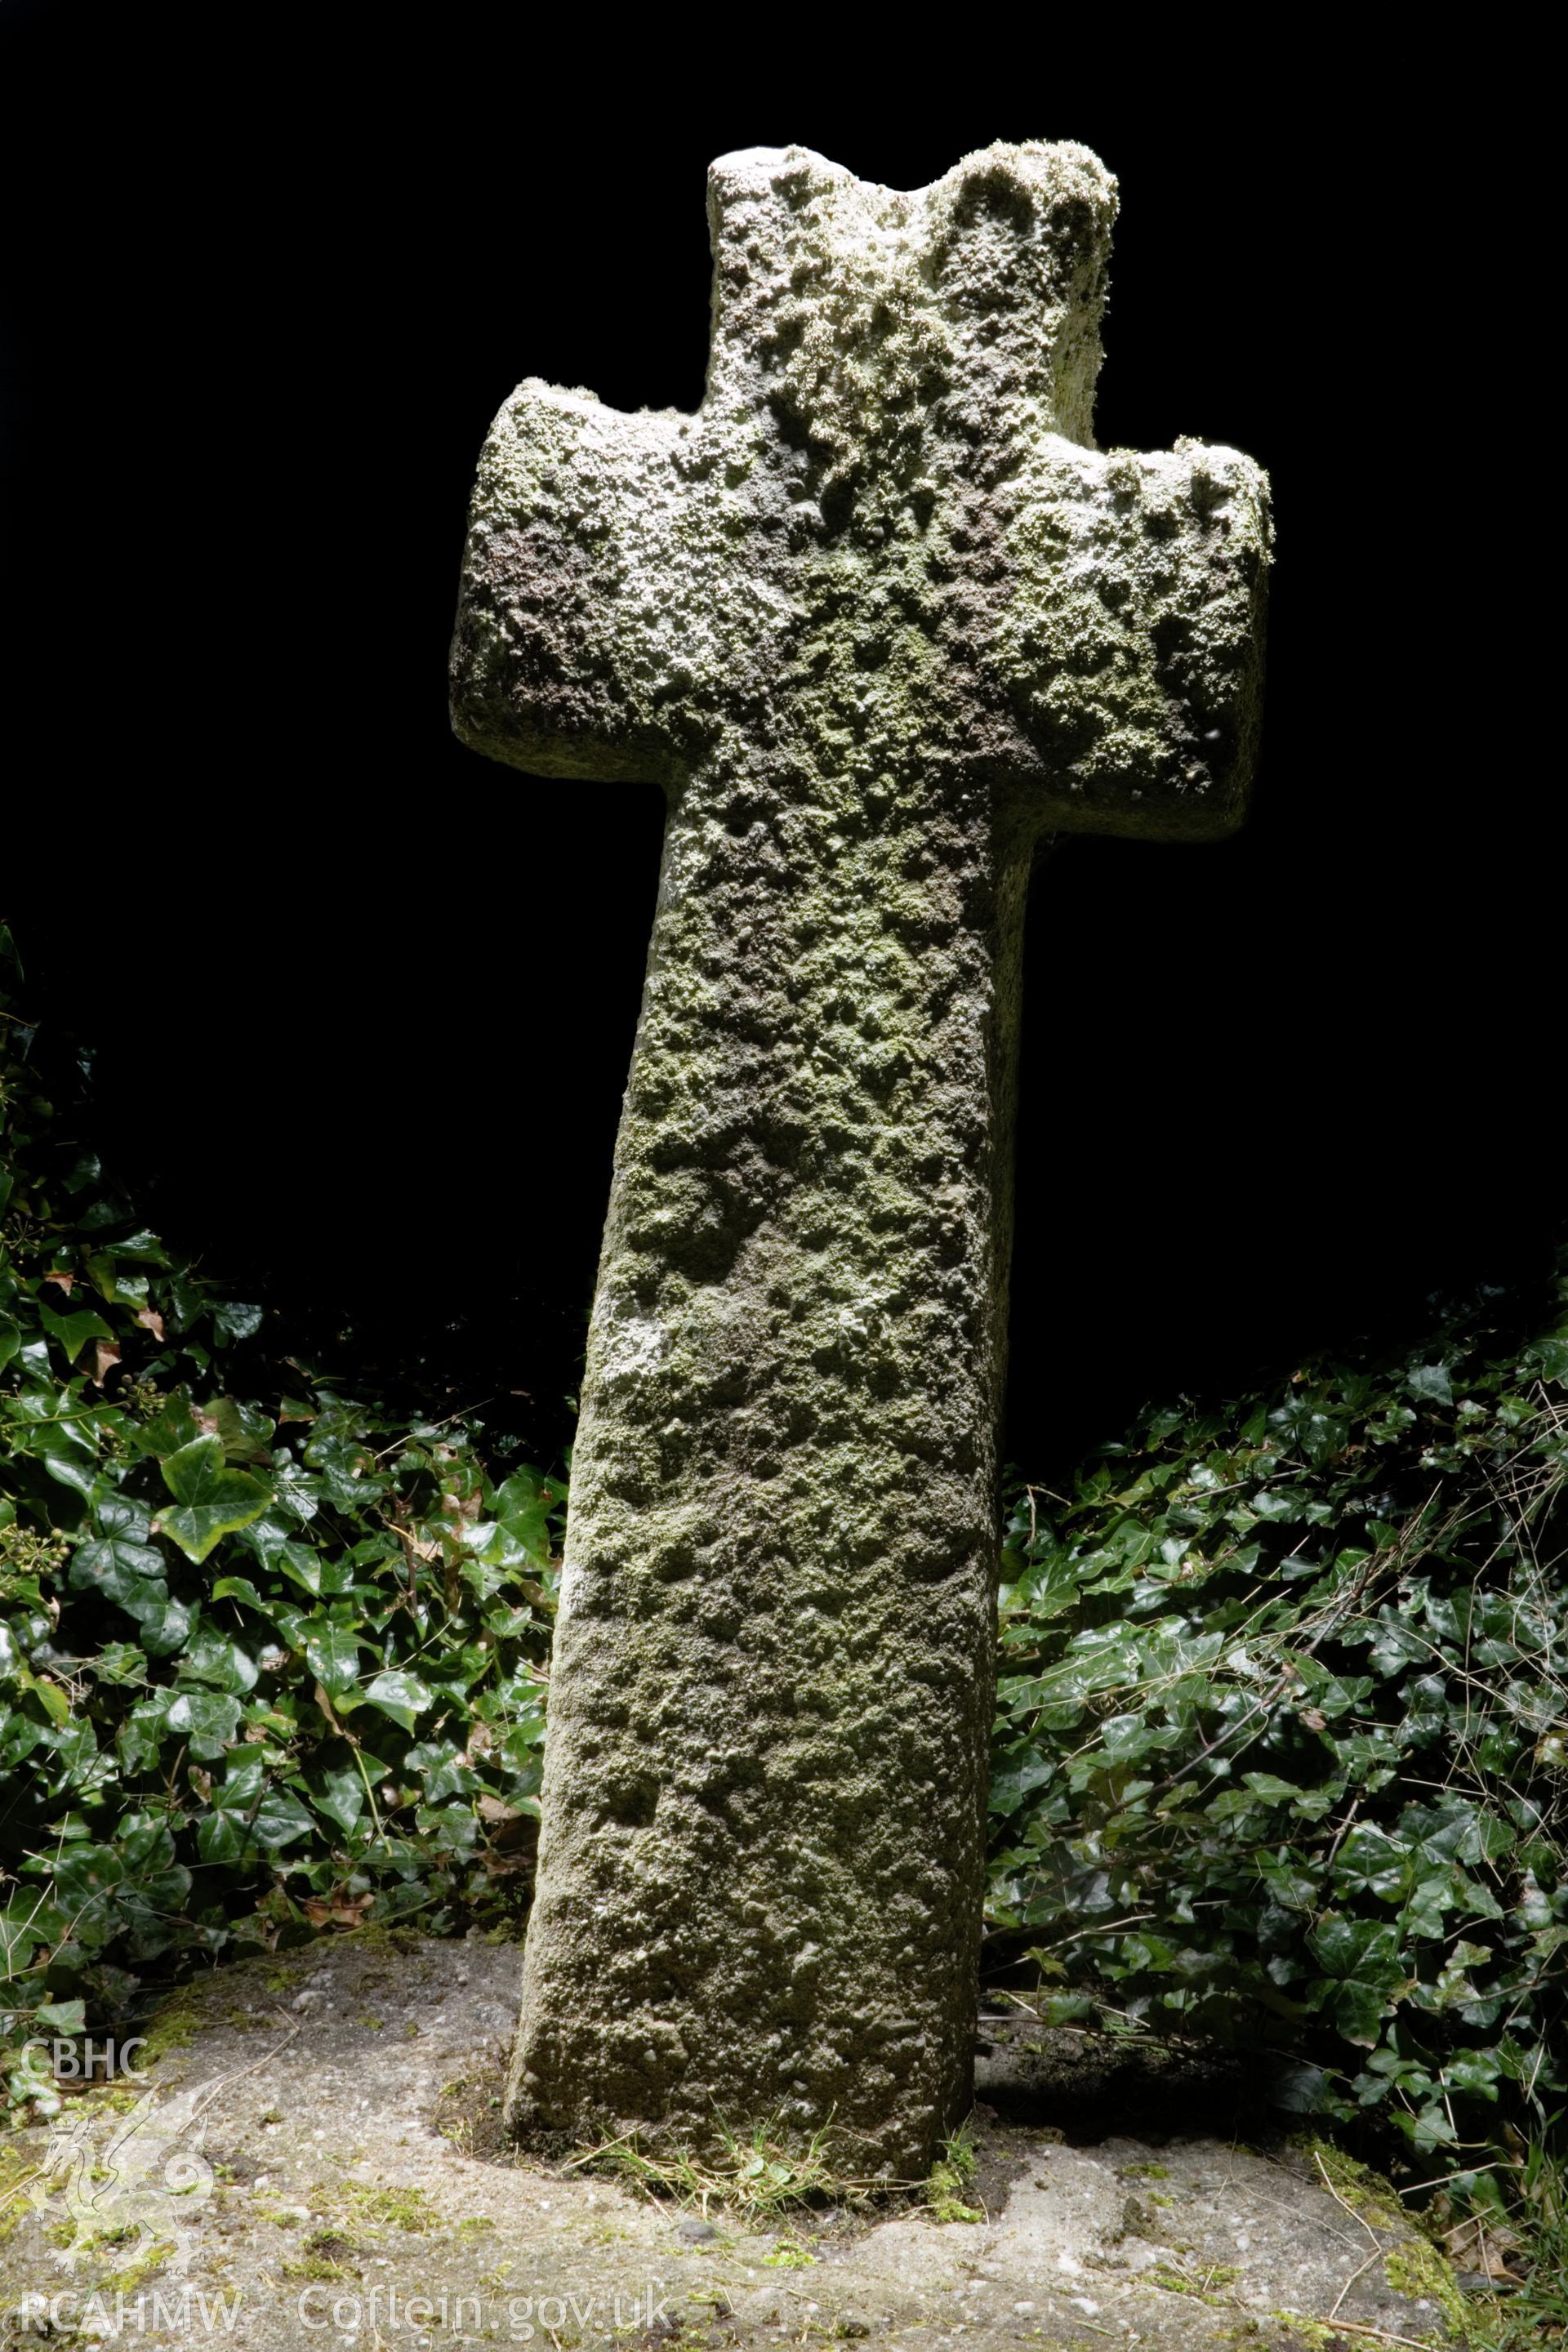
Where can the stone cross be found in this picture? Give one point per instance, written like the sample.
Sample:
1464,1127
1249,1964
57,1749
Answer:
878,617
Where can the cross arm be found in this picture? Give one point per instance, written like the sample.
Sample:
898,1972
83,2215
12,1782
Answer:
1130,651
575,630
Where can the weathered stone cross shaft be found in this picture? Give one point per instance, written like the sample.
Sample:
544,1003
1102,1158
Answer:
877,617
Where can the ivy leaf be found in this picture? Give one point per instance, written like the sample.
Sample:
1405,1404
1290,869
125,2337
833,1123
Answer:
74,1331
64,1454
140,1734
401,1696
142,1244
332,1654
212,1657
165,1623
1364,1968
440,1766
302,1568
64,2017
239,1587
171,1427
1016,1782
1373,1859
244,1433
265,1538
298,1492
119,1569
211,1501
248,1810
208,1720
119,1288
338,1792
53,1700
232,1322
1278,1503
1550,1355
519,1533
1299,2090
84,1873
1431,1384
1270,1788
1348,1947
121,1663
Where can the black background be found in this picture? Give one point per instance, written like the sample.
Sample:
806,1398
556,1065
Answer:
363,1003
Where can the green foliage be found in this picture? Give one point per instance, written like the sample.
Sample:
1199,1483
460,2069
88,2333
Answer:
755,2174
949,2181
1282,1747
1533,2308
269,1661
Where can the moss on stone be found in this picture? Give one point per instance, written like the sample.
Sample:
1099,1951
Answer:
17,2172
950,2179
1415,2268
134,2274
173,2026
404,2208
1211,2286
1364,2190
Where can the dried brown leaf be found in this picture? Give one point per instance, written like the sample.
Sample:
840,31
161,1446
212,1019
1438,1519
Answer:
336,1910
1481,2246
